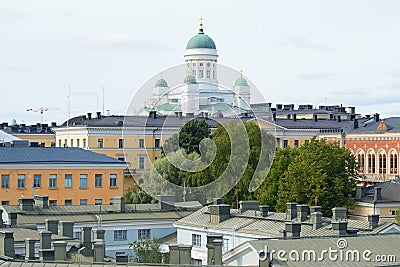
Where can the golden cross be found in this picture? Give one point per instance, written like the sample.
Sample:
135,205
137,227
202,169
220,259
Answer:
241,73
201,22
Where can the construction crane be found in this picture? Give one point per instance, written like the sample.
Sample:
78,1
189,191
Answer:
41,110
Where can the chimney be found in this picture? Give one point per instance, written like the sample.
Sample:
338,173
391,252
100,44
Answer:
7,244
12,218
166,202
340,227
86,237
99,233
288,116
373,220
60,250
315,209
1,219
302,212
294,228
294,117
291,210
248,205
51,225
339,214
153,114
264,210
67,229
98,251
121,258
316,220
315,117
119,202
42,201
360,192
217,201
98,115
89,116
338,118
273,116
355,124
219,213
26,204
377,194
45,239
180,254
211,249
53,124
29,249
376,117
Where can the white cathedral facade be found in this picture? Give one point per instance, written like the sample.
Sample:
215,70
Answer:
200,93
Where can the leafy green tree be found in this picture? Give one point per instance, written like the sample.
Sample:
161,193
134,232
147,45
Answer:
191,135
316,173
136,195
147,251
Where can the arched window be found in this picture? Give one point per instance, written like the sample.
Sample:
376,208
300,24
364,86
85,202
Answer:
361,162
393,163
371,163
382,164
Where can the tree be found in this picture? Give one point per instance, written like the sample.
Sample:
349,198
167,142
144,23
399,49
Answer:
398,216
316,173
147,251
136,195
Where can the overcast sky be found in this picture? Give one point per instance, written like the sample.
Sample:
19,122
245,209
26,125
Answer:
302,52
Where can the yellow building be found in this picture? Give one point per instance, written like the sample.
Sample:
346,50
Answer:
69,176
382,199
38,135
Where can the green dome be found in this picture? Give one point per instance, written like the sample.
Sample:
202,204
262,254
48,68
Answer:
190,79
161,83
241,82
201,40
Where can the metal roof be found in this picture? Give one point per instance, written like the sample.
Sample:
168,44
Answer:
371,126
52,155
390,191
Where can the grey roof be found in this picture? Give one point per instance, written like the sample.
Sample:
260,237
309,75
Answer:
390,191
21,233
370,126
6,138
87,213
51,155
378,245
134,121
251,222
320,124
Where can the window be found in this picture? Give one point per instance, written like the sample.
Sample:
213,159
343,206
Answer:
296,143
371,163
141,163
68,181
65,142
306,141
208,64
98,180
361,162
37,180
157,143
285,143
196,240
113,180
72,142
98,201
111,201
78,235
382,163
21,181
83,181
200,73
52,202
121,158
120,143
59,142
100,143
5,181
194,73
393,212
120,235
77,143
194,64
84,143
83,202
53,181
5,203
208,73
225,245
201,64
213,74
141,143
144,234
393,164
68,202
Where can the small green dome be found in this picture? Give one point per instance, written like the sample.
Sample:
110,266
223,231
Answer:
241,82
190,79
161,83
201,40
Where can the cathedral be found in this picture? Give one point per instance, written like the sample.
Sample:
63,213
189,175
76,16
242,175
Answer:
200,94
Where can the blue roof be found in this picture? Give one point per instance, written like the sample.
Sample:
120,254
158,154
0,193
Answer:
52,155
